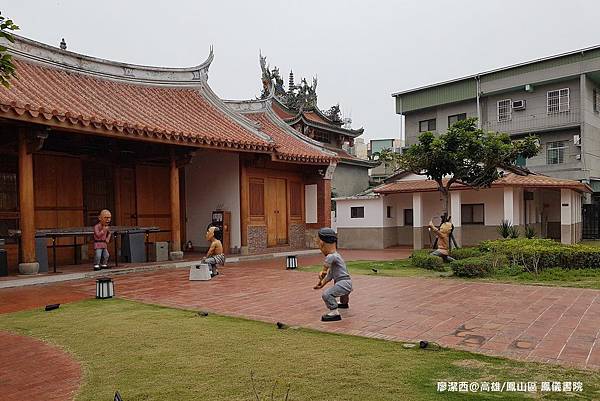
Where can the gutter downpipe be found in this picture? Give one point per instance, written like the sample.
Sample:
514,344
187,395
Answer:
478,105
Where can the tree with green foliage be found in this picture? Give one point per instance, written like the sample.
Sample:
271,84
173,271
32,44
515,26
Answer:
387,157
465,154
7,68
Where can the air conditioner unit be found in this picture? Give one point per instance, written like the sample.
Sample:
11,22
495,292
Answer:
518,105
577,139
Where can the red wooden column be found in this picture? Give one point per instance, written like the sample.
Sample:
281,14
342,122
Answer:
176,252
29,263
325,202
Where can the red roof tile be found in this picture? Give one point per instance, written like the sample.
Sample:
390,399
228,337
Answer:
509,180
281,112
172,113
311,115
289,147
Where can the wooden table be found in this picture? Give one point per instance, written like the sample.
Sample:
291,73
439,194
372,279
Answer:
55,233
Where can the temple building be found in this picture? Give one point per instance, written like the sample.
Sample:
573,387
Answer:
157,147
297,107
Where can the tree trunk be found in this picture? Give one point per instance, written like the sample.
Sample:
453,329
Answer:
445,192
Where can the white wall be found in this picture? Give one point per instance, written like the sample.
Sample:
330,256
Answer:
399,202
493,200
310,203
212,180
374,212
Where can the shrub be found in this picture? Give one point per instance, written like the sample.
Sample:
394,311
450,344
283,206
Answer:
534,255
513,232
463,253
478,266
504,229
529,232
424,260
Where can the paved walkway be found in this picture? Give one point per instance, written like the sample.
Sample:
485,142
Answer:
534,323
33,370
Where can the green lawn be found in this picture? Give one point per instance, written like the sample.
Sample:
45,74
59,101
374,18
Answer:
395,268
155,353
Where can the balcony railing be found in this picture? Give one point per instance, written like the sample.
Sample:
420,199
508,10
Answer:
534,123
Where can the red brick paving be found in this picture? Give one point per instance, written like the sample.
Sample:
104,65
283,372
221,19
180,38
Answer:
33,370
534,323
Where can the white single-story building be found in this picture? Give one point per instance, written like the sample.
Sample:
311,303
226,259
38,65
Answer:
398,213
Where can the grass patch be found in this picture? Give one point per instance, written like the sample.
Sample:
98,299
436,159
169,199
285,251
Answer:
156,353
394,268
557,277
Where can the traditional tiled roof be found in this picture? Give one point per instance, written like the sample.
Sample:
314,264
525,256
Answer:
281,111
314,118
508,180
311,122
53,89
291,145
347,158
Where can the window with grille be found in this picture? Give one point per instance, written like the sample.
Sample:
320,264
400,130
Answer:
555,152
9,215
296,199
257,197
456,118
427,125
472,214
597,101
357,212
558,100
408,217
321,137
504,110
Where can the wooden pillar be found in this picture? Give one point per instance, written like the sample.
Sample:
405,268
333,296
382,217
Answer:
175,209
26,206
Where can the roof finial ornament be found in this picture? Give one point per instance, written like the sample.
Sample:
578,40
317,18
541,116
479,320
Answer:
63,44
291,84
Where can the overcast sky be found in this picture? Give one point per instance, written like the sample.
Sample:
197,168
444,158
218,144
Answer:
361,51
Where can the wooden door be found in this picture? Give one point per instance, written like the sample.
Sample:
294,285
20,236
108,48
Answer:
153,199
127,204
98,191
276,211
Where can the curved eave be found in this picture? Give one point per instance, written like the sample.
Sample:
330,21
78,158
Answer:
314,124
38,52
358,162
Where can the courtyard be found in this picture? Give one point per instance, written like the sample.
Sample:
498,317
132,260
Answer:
100,346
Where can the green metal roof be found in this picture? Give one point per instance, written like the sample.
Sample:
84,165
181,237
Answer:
465,88
446,93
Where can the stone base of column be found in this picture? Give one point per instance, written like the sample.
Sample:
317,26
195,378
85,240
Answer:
176,255
417,238
29,268
457,233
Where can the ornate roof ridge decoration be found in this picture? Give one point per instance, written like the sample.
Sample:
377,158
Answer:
315,109
264,106
51,56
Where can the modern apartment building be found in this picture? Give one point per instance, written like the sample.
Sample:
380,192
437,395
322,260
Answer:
556,98
380,172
